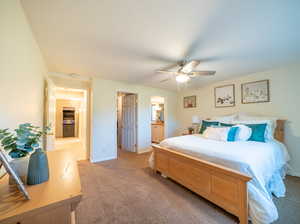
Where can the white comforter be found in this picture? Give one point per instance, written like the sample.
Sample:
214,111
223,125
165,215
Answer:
264,162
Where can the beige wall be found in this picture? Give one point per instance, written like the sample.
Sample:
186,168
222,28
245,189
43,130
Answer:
22,69
285,103
104,113
69,94
68,82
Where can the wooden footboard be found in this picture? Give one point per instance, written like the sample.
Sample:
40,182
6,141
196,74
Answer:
223,186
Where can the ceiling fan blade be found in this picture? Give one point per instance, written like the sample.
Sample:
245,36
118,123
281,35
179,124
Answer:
173,67
193,63
141,53
203,73
189,66
165,80
167,72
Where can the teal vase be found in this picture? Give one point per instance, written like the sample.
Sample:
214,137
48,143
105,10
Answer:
38,170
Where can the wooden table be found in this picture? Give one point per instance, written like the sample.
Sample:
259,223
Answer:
52,202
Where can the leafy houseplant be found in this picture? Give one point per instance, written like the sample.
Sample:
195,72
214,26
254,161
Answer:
20,142
191,130
23,140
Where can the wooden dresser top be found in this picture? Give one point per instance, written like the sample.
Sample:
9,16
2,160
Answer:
63,187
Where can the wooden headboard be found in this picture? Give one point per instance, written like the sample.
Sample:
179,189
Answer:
279,131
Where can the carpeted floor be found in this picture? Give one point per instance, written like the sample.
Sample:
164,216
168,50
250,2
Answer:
127,191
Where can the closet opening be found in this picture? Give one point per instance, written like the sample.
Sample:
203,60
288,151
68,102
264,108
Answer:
126,122
157,119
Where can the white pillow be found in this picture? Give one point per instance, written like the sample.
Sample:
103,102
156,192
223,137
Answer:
229,119
247,117
216,133
243,132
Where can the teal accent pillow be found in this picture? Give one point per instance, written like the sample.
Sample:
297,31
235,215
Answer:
206,124
226,125
258,132
232,133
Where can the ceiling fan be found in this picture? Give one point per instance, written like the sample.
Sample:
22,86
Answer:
186,71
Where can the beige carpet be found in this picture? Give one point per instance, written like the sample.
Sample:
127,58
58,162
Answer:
127,191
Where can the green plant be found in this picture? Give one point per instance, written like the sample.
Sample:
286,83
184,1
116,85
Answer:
190,129
22,140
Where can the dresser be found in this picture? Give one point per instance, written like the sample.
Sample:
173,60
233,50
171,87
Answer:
52,202
157,130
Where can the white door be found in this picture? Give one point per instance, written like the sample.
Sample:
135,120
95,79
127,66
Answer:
50,112
119,120
129,123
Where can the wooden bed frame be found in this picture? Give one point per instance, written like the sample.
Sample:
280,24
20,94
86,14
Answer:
223,186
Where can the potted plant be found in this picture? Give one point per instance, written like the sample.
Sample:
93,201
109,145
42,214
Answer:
191,130
20,143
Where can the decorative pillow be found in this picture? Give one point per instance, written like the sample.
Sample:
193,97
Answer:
206,124
258,132
216,133
270,126
211,133
231,136
232,133
243,133
271,122
226,125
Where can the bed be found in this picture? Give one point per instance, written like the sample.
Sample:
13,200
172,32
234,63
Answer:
221,173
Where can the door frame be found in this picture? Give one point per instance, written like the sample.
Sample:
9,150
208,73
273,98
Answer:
84,121
165,115
49,113
136,118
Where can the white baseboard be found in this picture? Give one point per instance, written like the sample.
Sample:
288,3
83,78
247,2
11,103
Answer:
103,159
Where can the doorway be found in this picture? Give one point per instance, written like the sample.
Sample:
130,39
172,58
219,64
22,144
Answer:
126,122
70,129
69,123
157,119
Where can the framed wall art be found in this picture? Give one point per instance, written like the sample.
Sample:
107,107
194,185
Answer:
4,162
189,101
225,96
256,92
2,170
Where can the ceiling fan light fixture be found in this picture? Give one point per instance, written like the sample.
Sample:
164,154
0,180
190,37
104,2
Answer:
182,78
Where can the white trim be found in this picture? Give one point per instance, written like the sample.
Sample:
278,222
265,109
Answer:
103,159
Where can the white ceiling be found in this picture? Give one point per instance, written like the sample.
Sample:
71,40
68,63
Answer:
128,39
